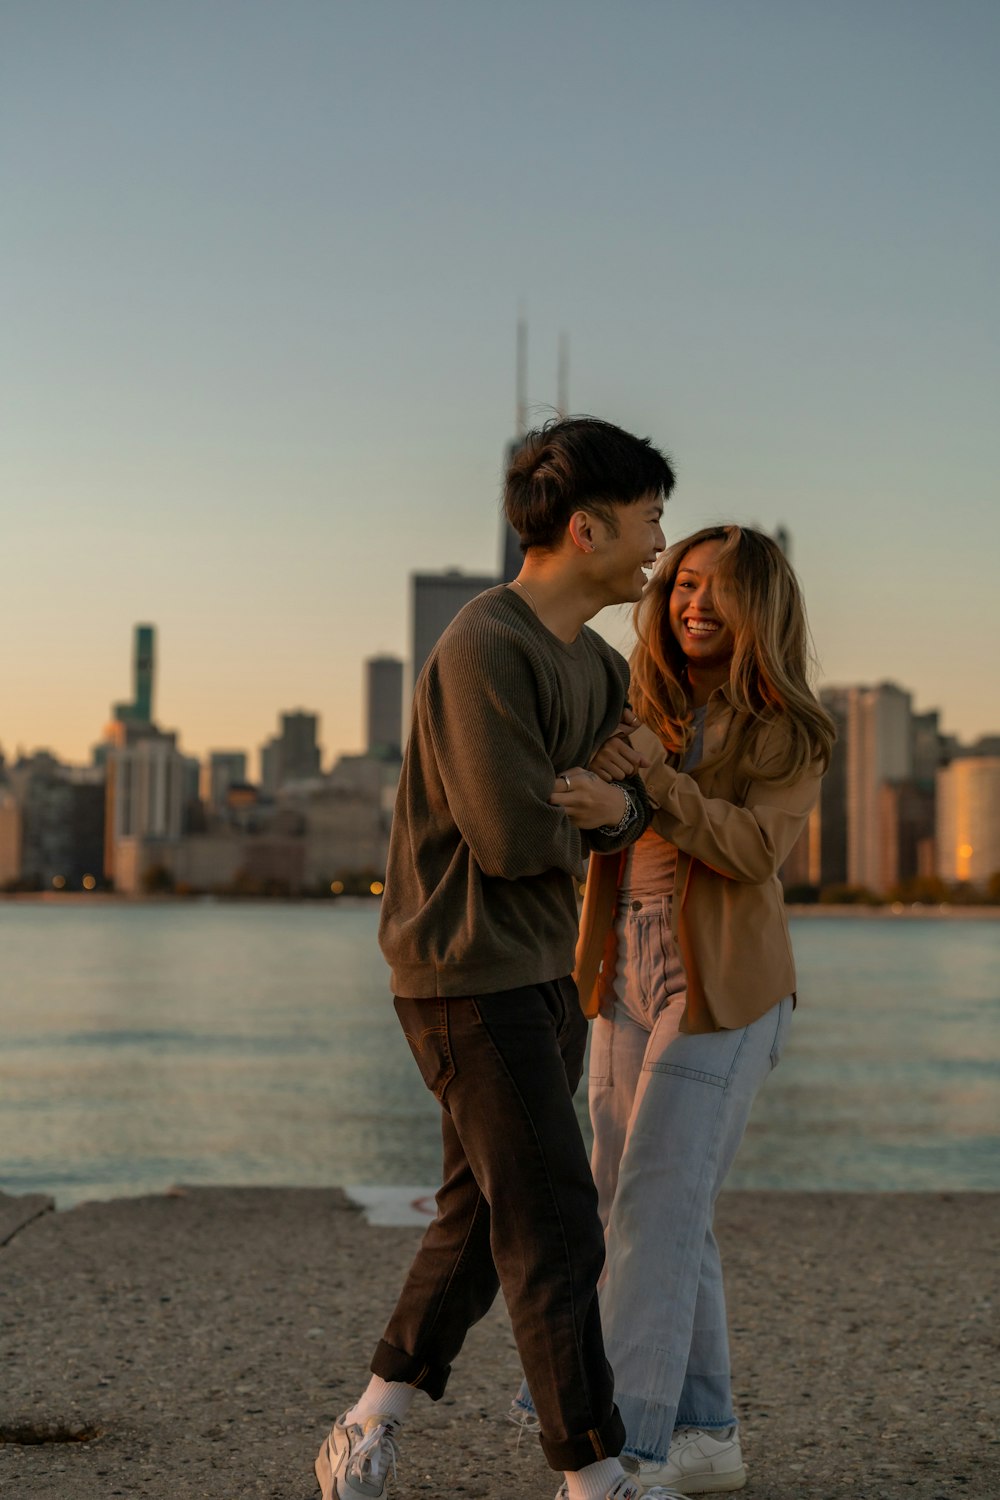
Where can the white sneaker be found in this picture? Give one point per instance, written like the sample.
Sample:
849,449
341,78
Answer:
698,1463
353,1463
629,1488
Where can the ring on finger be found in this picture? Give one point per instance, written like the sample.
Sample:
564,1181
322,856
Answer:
567,781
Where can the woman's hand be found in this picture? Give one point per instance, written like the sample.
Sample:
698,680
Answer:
616,759
587,800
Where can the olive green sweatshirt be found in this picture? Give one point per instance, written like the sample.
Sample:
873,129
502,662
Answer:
482,880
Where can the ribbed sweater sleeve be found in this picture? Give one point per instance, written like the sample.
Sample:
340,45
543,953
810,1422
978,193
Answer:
482,878
484,719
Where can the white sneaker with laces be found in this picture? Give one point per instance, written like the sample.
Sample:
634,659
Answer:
698,1463
629,1488
354,1462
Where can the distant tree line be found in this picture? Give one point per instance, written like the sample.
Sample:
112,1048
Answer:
922,890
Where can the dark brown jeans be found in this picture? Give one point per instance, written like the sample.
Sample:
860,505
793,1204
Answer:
517,1210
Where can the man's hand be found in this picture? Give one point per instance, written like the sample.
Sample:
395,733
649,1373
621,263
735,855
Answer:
587,800
616,759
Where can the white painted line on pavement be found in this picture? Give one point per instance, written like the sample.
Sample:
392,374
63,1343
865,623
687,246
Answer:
393,1207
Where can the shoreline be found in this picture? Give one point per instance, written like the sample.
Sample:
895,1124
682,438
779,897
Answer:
898,912
895,911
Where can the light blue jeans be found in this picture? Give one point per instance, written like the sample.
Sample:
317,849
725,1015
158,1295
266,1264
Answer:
669,1111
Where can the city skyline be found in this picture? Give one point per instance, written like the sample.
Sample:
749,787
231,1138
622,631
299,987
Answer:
260,289
263,742
904,811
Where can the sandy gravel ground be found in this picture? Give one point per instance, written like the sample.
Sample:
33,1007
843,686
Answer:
198,1345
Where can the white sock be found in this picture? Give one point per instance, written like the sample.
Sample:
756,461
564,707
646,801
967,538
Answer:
593,1482
383,1398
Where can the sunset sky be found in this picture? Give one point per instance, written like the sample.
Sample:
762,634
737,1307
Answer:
260,273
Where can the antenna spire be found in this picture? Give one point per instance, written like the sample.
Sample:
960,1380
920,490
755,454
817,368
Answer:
521,426
562,381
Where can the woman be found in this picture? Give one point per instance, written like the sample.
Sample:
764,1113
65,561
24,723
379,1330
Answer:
685,960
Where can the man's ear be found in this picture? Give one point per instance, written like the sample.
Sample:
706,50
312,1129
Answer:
581,530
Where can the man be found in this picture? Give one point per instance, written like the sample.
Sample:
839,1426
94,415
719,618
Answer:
479,923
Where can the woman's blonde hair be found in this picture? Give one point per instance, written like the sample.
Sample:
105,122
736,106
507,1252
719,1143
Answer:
757,595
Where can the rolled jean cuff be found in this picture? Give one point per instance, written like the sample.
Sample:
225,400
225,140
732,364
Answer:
605,1441
389,1363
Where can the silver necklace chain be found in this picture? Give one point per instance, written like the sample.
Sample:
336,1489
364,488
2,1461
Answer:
516,583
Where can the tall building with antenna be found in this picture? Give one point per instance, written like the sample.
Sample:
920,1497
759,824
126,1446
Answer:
511,556
510,543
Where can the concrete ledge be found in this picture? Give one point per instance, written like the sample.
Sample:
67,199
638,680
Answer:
198,1344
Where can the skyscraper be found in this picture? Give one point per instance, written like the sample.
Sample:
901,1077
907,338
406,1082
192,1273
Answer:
968,819
833,793
140,710
146,791
225,768
879,750
511,556
293,755
384,706
436,599
146,785
510,543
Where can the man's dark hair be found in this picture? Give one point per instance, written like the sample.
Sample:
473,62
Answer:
578,463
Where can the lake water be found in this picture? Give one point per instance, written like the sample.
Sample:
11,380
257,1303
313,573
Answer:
201,1043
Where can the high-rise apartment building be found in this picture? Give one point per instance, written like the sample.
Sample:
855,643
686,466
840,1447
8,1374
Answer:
879,750
293,755
436,599
147,791
270,767
906,830
225,768
930,748
968,819
11,825
151,786
833,794
51,823
511,556
876,812
384,707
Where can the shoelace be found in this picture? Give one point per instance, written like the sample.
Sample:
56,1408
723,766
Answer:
634,1488
524,1421
375,1449
631,1490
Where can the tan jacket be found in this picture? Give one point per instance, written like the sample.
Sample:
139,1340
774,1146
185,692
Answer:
728,912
